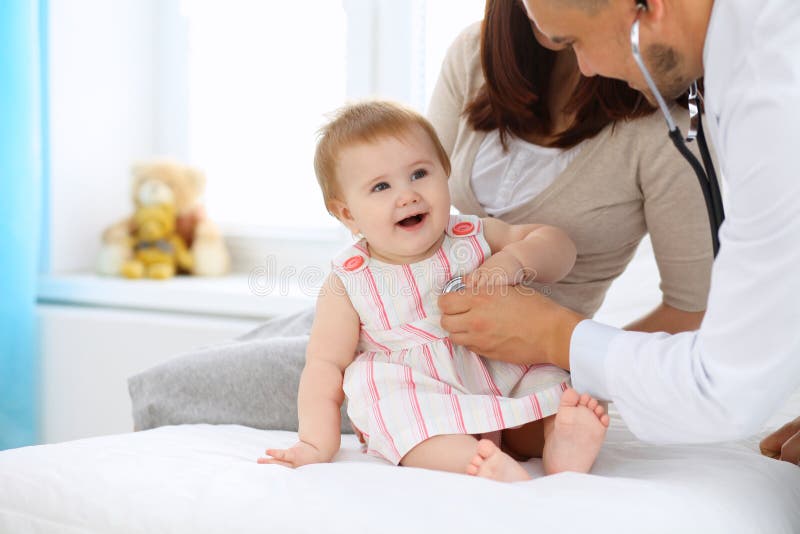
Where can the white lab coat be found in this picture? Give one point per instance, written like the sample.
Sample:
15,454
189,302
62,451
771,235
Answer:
723,381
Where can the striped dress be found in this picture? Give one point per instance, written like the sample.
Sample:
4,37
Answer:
408,382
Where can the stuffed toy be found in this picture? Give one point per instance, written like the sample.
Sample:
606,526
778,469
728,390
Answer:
168,187
158,251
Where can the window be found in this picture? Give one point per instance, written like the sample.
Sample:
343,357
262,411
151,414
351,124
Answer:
444,20
262,75
254,108
237,88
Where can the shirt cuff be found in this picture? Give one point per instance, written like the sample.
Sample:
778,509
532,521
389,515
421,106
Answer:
588,352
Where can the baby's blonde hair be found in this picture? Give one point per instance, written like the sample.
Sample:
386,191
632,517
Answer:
365,122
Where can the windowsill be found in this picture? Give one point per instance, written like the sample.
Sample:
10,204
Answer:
228,296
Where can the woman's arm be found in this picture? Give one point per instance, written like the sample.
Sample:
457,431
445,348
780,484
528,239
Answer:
524,252
666,318
676,219
331,347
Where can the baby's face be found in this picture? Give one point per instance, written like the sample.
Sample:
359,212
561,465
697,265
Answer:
394,192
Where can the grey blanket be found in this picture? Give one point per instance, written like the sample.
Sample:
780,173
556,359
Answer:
249,381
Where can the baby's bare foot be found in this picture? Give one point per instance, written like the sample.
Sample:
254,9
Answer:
491,462
578,432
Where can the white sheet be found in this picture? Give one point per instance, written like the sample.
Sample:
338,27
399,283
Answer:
201,478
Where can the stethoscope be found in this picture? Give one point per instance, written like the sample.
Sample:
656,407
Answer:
705,172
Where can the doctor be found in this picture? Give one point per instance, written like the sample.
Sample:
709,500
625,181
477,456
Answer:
723,381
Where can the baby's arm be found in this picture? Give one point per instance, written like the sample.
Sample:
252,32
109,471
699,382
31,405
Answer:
524,252
331,348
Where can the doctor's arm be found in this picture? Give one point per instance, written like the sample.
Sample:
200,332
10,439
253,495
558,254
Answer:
723,381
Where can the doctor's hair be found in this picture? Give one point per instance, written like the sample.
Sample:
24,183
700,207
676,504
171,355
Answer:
365,122
517,70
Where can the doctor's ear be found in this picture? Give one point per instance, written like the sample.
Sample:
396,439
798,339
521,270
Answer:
652,11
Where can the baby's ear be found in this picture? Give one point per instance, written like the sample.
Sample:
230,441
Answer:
340,210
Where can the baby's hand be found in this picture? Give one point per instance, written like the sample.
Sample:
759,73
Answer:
301,453
502,269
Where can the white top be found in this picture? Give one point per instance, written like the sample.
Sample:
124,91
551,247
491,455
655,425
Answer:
504,181
723,381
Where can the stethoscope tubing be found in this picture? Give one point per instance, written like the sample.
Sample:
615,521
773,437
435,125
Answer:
705,173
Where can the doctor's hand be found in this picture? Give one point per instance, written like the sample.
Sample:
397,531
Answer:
784,443
509,323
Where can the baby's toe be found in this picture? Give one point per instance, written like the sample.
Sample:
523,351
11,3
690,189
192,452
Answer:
485,448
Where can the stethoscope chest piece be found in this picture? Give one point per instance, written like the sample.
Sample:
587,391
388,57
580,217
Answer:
454,284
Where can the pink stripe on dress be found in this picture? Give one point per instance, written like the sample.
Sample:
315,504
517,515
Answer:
365,333
458,415
449,345
419,332
412,284
498,412
426,350
488,377
478,249
373,289
376,409
445,264
537,410
412,393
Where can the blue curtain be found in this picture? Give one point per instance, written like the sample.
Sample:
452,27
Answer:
21,163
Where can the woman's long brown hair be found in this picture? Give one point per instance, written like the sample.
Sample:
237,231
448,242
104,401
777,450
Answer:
517,70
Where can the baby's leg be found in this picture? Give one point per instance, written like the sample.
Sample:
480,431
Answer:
448,452
526,441
573,437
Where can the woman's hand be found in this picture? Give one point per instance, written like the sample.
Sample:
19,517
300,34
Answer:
784,443
301,453
514,324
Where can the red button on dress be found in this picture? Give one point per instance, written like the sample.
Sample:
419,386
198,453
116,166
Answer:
463,228
354,262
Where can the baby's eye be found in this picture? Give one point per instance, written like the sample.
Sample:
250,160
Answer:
419,173
380,187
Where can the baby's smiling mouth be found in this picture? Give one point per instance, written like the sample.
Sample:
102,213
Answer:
413,220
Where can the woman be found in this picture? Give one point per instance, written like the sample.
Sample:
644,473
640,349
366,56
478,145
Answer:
531,140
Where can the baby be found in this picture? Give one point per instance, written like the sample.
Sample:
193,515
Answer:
417,399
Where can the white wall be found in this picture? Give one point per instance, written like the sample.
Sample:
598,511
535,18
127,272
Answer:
103,117
89,353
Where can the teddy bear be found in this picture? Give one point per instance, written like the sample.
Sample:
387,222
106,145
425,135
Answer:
158,250
168,187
